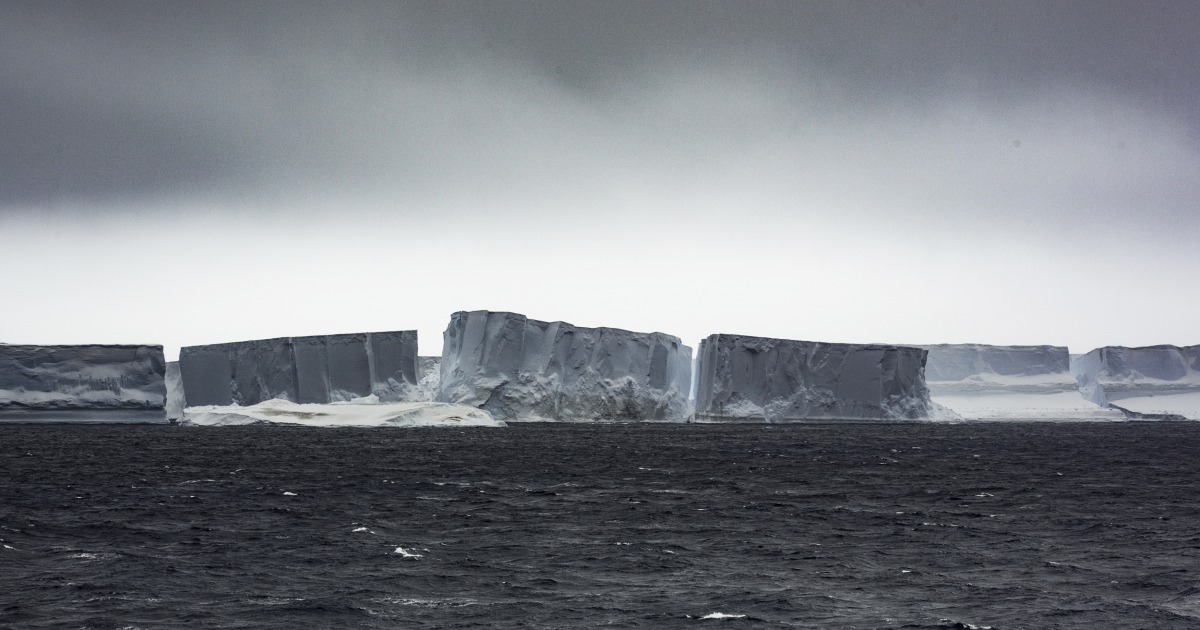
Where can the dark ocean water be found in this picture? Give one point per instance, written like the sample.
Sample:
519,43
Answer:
578,526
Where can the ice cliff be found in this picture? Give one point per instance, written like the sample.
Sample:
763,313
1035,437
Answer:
985,382
1159,381
176,401
317,369
97,383
745,379
523,369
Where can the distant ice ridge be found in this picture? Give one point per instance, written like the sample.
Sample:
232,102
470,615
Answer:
316,369
985,382
1159,381
94,383
746,379
522,369
369,414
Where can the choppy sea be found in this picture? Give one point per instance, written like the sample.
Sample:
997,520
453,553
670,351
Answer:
997,525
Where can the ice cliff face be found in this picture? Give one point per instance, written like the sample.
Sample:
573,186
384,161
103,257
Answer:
976,368
176,401
429,376
81,381
1163,380
778,380
317,369
524,369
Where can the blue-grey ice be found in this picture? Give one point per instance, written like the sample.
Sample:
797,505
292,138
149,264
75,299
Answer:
748,379
93,383
987,382
522,369
316,369
1153,380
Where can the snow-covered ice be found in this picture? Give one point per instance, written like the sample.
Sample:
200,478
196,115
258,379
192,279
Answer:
315,369
747,379
1160,380
523,369
278,411
96,383
986,382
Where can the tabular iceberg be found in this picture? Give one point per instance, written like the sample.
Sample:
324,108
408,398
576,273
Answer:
522,369
984,382
747,379
1162,381
93,383
316,369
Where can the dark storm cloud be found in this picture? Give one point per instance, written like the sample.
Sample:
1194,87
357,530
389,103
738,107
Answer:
108,101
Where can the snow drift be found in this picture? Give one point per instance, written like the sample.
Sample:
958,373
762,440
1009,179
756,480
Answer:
96,383
371,414
317,369
1154,380
744,379
525,369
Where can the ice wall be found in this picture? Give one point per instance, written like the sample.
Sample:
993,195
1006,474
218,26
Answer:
524,369
976,367
429,376
1156,380
316,369
176,401
747,379
985,382
98,383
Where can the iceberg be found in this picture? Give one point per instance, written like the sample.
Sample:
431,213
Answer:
83,383
1152,381
985,382
373,414
316,369
522,369
759,379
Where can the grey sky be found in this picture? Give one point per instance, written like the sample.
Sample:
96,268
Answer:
906,172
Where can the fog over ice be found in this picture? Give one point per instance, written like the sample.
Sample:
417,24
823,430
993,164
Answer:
1006,173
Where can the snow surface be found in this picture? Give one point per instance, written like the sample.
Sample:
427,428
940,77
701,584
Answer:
523,369
1186,404
746,379
1068,405
59,382
278,411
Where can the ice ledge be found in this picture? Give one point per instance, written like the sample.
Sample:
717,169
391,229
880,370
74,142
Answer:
278,411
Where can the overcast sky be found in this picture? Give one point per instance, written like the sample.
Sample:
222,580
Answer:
905,172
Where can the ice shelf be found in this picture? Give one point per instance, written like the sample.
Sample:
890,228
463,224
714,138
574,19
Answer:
1152,381
316,369
986,382
759,379
89,383
522,369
